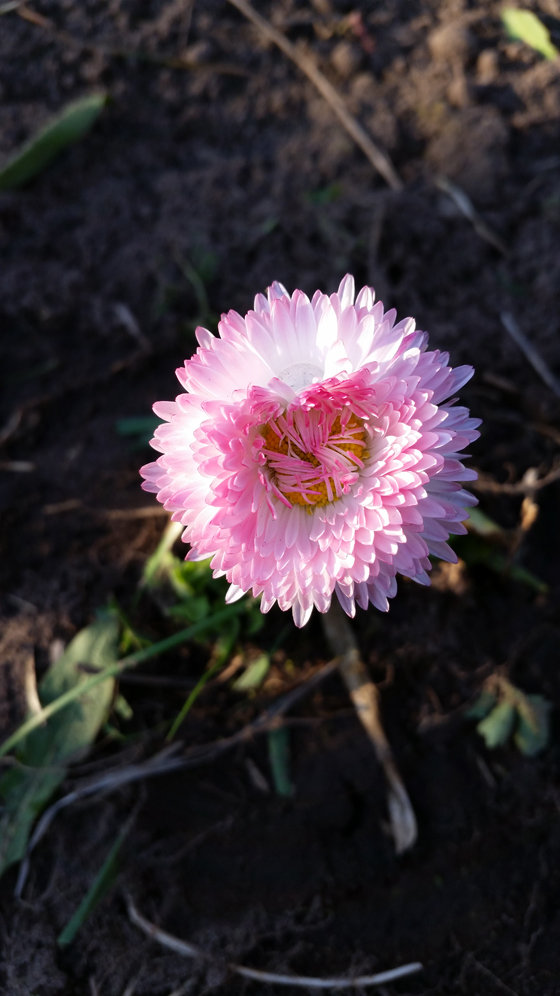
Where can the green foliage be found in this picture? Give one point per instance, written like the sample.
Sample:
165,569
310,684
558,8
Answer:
222,616
75,727
45,752
123,708
63,130
205,263
477,550
483,525
23,793
523,25
484,703
325,195
222,650
497,726
503,709
100,885
139,429
198,273
531,735
254,675
196,593
279,757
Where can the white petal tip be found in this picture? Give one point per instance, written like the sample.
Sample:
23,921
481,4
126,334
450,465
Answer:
234,594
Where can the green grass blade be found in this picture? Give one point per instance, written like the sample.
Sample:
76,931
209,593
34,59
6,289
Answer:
112,670
228,640
525,26
279,757
101,883
63,130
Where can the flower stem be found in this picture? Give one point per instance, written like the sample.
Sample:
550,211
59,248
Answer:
365,696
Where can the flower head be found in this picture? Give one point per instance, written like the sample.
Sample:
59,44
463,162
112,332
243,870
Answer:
312,452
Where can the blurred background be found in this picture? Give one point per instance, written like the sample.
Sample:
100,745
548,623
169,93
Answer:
211,167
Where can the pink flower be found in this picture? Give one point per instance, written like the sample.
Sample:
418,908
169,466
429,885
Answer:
312,452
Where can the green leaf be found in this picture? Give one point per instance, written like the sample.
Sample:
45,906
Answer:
531,735
497,726
525,26
255,620
139,429
63,130
192,609
23,794
138,425
102,882
481,524
161,559
484,703
476,550
254,675
279,757
115,668
27,788
77,725
521,574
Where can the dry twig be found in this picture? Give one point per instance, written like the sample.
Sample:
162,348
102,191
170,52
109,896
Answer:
528,484
379,159
487,973
468,210
531,352
191,951
17,466
365,697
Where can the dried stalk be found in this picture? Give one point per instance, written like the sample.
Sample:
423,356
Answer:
365,697
531,352
468,210
191,951
528,484
378,159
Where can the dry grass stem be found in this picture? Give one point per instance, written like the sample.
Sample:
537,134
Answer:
17,466
468,210
379,159
308,982
528,484
365,696
531,352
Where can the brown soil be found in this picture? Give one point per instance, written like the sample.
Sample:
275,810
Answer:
236,168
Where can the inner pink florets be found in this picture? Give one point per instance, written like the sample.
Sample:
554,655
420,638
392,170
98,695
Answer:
311,452
312,457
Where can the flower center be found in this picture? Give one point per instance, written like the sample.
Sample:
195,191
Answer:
313,458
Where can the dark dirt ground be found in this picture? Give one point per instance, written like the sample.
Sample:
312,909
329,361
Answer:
237,169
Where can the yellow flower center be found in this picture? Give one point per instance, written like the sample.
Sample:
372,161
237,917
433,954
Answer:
312,464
